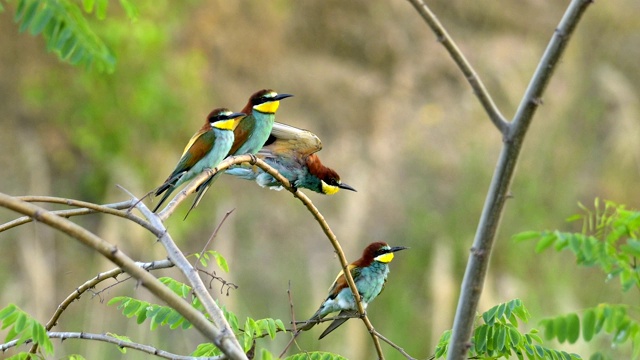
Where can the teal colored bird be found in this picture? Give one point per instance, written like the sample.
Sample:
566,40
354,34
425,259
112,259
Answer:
369,273
291,151
251,131
206,149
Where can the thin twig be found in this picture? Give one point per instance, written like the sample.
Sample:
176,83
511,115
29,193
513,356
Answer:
293,322
470,74
111,252
112,340
75,295
213,235
107,209
400,350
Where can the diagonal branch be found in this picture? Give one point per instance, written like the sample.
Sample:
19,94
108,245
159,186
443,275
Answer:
470,74
147,280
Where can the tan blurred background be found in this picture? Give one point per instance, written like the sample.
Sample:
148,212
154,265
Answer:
397,120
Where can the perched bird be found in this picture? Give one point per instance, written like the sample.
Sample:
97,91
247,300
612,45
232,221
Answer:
251,131
369,273
206,149
291,151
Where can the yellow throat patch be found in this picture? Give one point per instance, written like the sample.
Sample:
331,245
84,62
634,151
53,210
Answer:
384,258
269,107
225,125
329,189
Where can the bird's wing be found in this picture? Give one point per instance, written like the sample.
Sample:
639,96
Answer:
290,141
341,281
197,148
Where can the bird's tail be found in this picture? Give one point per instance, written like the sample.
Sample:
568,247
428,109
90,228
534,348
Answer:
345,315
307,325
166,188
200,191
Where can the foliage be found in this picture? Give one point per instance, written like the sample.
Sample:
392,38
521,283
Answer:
67,32
609,240
315,356
220,260
499,337
163,315
23,327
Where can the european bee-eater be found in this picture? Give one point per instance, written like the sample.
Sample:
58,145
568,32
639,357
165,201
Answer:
206,149
369,273
251,131
291,151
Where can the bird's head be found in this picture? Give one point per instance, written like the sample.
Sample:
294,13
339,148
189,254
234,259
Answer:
223,119
265,101
329,179
381,252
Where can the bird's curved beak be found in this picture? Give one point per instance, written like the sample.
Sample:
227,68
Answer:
236,115
281,96
346,187
397,248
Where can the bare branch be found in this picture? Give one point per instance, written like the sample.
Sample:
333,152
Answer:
120,343
213,235
400,350
199,321
470,74
90,208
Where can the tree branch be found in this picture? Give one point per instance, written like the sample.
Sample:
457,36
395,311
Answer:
147,280
470,74
497,195
120,343
107,209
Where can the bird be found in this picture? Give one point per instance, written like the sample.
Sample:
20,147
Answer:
369,274
206,148
292,152
251,131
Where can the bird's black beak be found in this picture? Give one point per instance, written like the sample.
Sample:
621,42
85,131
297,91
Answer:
346,187
397,248
281,96
235,115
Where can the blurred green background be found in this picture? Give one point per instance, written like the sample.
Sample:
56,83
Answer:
398,122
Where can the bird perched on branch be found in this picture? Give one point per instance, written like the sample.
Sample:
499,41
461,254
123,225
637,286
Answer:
251,131
206,149
369,274
291,151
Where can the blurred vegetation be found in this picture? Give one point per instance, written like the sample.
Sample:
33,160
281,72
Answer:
397,120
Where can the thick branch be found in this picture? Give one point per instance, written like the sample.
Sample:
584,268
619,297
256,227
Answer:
468,71
472,285
119,258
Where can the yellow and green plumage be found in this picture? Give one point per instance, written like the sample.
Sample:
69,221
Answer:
205,149
369,274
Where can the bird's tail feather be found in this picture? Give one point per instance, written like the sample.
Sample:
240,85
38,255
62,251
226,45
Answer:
337,322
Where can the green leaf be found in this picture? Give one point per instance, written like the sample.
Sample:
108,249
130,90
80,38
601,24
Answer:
526,235
221,261
545,241
573,328
88,5
101,9
560,327
42,21
501,338
480,336
588,324
130,8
